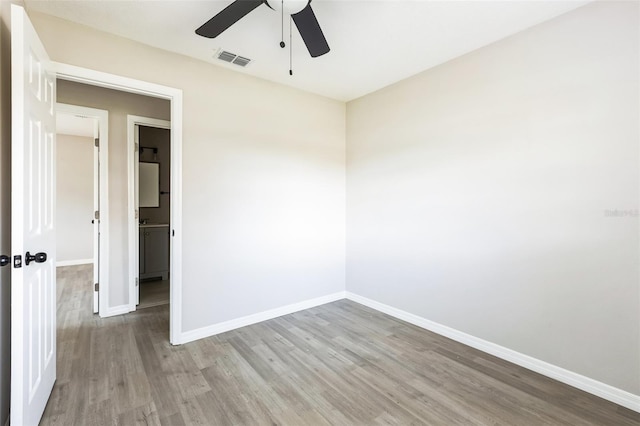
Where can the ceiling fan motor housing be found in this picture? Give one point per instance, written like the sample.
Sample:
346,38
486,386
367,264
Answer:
291,7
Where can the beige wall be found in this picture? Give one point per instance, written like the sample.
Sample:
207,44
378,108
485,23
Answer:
74,197
478,193
119,104
263,179
158,138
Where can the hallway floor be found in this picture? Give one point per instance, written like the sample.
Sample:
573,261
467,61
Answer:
153,293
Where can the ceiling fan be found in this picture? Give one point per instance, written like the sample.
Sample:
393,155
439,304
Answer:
300,11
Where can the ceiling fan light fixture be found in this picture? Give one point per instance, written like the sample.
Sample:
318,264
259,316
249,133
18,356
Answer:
291,7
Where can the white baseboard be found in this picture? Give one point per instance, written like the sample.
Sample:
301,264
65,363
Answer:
73,262
190,336
610,393
116,310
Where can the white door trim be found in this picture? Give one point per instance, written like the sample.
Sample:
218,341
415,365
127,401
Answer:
132,178
111,81
102,118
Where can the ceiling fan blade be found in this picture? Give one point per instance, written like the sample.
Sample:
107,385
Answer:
311,32
227,17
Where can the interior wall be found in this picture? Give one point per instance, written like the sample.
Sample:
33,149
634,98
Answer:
153,137
263,178
74,197
119,105
497,194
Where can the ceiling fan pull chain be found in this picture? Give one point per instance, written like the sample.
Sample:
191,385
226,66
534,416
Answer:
290,48
282,25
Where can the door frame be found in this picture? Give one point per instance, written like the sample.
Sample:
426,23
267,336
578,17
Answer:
101,256
174,96
132,217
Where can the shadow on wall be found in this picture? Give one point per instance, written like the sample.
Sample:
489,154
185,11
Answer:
5,209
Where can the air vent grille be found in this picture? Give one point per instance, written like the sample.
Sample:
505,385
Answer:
243,62
226,56
233,58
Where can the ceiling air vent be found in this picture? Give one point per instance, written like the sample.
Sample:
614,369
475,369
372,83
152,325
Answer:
226,56
233,58
243,62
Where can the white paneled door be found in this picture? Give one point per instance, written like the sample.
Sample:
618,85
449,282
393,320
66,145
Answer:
33,277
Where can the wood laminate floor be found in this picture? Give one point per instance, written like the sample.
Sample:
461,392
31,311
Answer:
339,364
153,293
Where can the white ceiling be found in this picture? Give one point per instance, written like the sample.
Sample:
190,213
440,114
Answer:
373,43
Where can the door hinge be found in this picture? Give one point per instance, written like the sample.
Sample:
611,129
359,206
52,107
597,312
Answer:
136,282
96,287
97,142
96,215
136,147
136,214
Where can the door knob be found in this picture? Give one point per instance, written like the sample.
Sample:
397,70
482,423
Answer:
4,260
38,258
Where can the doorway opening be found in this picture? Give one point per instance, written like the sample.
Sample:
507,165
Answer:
150,143
174,96
82,192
